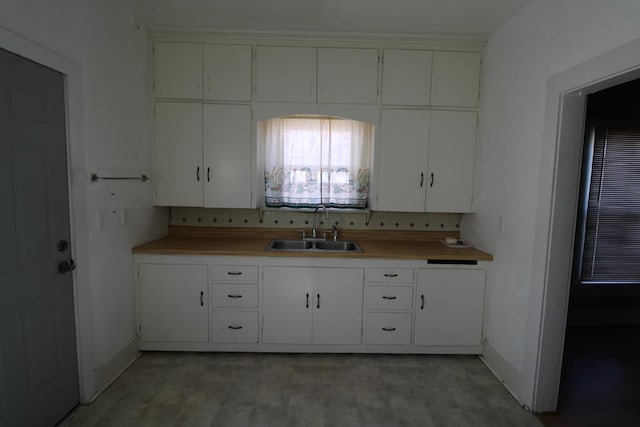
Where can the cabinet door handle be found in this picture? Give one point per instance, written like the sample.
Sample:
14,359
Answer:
198,173
431,184
318,306
208,174
388,329
390,275
234,327
235,296
421,179
234,273
389,297
307,305
201,298
422,302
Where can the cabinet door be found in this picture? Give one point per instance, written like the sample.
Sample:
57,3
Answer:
452,141
406,77
227,72
178,151
173,303
348,76
455,79
450,307
287,305
337,302
227,156
177,70
402,160
286,74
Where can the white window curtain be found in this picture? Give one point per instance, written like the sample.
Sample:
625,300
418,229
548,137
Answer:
316,161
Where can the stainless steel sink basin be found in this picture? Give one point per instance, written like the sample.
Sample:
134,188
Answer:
342,246
290,245
313,246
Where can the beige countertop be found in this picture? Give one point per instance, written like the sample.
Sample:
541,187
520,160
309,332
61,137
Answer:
252,242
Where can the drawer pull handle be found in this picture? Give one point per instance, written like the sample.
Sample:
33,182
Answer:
235,327
389,297
318,306
388,329
422,303
235,296
234,273
390,275
201,299
307,305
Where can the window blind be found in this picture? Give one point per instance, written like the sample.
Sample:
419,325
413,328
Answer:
611,253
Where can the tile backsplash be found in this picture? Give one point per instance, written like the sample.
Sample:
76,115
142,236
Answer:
373,220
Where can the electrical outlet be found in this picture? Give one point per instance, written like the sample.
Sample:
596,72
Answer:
101,219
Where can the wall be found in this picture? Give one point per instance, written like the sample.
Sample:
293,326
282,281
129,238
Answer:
513,194
111,54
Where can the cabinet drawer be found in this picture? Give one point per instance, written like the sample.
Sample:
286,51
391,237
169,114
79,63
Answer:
234,326
388,328
390,275
234,296
389,297
235,273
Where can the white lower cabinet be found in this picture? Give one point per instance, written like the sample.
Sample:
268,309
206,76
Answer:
450,307
388,328
389,298
217,303
235,299
173,303
233,326
304,305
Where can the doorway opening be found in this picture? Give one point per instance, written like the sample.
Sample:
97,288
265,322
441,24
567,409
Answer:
600,372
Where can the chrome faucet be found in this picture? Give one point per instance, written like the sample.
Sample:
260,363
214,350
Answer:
314,231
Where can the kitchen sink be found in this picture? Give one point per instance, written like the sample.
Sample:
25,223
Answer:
313,246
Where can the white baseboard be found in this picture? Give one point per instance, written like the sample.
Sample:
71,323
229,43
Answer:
107,373
508,375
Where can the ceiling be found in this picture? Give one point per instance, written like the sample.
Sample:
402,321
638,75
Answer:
446,17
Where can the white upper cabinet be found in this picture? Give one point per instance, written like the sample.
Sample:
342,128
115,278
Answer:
177,70
203,162
227,72
286,74
227,156
178,176
406,77
452,139
402,160
347,76
455,79
426,160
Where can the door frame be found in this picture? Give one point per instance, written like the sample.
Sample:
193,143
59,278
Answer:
556,214
78,180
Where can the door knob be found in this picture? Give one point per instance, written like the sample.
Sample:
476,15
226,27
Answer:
66,266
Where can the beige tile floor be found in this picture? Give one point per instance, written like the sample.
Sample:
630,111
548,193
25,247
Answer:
250,389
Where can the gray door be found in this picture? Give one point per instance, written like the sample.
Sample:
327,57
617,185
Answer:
38,369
